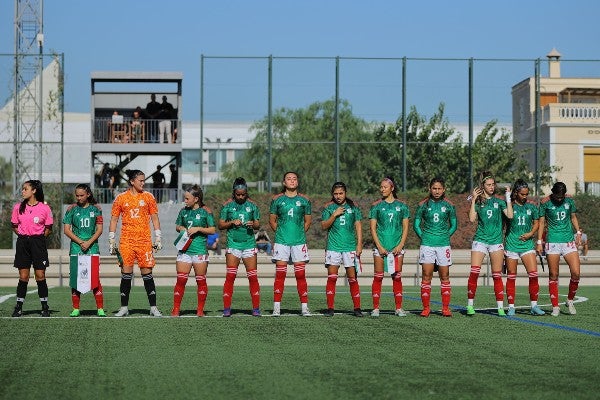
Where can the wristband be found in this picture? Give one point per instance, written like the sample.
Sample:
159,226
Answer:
507,196
579,232
539,242
157,233
111,235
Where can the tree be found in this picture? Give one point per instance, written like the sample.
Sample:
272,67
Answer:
304,141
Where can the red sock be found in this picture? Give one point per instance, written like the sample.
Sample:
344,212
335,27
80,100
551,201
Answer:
446,291
425,293
99,296
534,286
354,291
75,298
202,291
376,288
511,290
330,290
573,285
228,286
254,287
179,289
280,273
397,289
472,283
498,286
301,282
553,290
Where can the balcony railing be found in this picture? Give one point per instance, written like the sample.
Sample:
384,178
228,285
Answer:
136,131
571,113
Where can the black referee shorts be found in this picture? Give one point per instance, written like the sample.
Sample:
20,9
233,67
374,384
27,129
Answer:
31,251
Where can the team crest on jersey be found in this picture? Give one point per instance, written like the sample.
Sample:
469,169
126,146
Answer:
397,208
197,216
443,209
495,205
298,204
349,210
247,209
91,214
566,206
142,203
36,220
528,212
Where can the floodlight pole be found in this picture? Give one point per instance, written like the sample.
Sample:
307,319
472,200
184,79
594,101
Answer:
337,119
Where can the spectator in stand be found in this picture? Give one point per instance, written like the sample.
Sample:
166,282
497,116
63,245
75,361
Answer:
212,243
173,183
106,180
152,111
158,183
263,242
164,125
136,127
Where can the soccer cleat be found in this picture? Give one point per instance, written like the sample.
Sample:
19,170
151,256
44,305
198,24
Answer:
227,312
256,312
17,312
358,312
155,312
555,311
571,306
101,312
470,310
329,312
123,312
175,312
425,313
75,313
501,312
45,312
306,312
446,312
200,313
400,313
536,310
375,312
511,311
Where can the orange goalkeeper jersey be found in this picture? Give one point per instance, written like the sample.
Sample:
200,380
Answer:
135,211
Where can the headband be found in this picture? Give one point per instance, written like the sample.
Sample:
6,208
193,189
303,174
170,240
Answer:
240,187
486,178
390,181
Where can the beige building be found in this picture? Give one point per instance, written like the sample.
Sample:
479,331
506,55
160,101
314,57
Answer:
569,125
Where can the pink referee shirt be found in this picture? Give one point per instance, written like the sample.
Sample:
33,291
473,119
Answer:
33,221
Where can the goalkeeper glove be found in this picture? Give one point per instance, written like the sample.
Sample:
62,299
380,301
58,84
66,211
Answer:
157,240
112,243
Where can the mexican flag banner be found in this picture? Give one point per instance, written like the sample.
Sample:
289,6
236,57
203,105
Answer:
391,263
183,241
85,272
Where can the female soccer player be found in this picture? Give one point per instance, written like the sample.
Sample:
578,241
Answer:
487,210
389,228
240,216
558,211
341,218
435,222
136,207
83,225
198,221
32,222
519,244
290,218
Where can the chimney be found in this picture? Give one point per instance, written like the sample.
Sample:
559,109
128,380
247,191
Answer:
554,63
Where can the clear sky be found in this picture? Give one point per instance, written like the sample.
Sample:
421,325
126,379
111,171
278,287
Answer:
151,35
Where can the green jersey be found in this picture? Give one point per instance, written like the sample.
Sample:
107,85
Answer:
83,221
435,222
190,218
240,237
389,217
290,212
341,235
489,221
558,219
522,222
